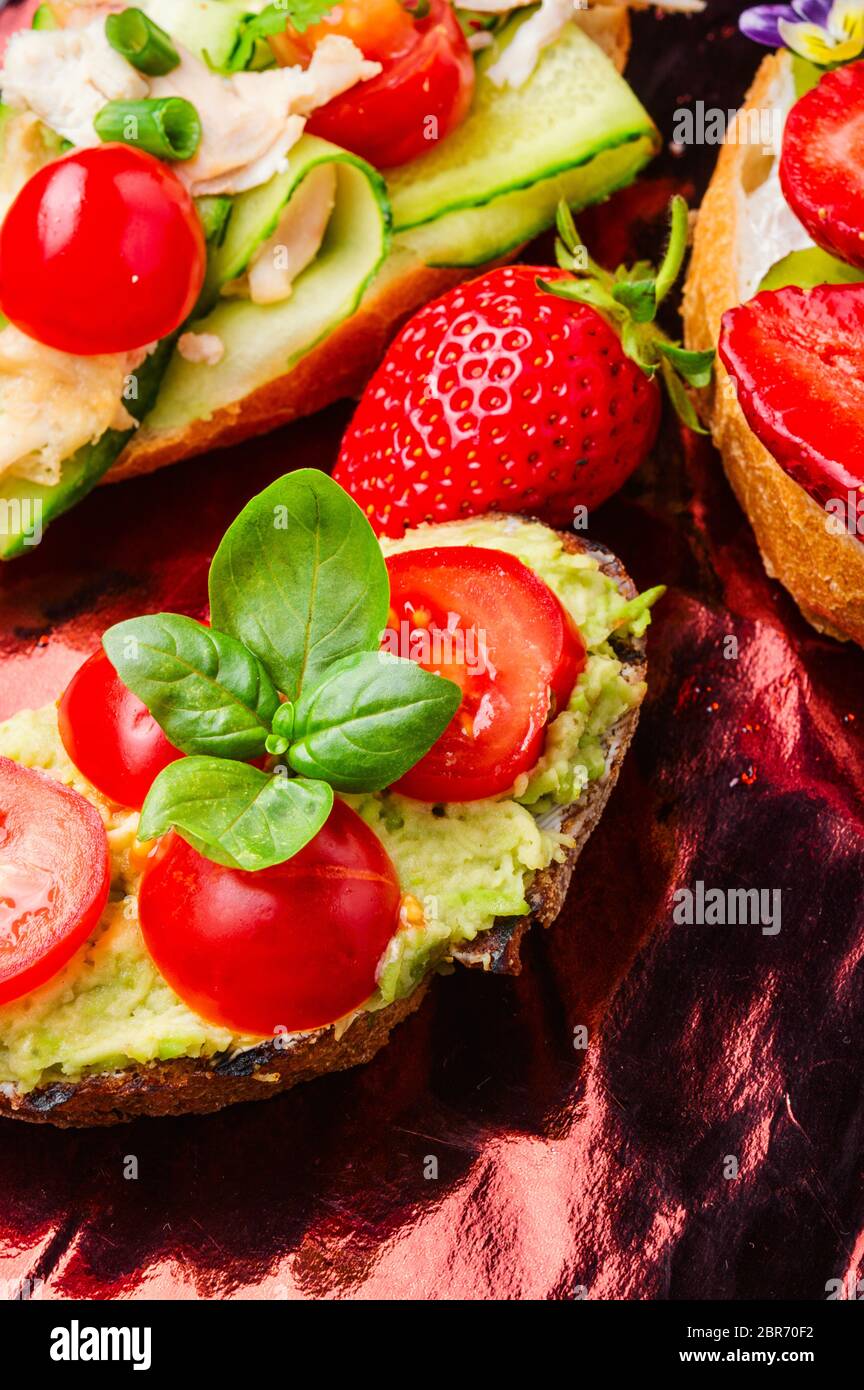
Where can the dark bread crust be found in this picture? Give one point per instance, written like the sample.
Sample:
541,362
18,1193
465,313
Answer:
200,1086
498,949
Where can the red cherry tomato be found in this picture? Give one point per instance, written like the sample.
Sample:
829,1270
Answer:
423,93
295,947
102,251
54,877
110,734
486,621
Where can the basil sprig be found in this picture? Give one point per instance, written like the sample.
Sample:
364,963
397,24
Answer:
291,667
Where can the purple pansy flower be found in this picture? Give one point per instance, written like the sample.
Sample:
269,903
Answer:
761,22
826,32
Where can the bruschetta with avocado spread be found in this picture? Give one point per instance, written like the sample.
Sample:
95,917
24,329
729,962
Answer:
236,852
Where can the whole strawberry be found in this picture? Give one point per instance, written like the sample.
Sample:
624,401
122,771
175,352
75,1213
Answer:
526,390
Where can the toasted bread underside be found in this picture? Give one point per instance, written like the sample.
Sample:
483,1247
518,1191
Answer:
340,366
823,572
200,1086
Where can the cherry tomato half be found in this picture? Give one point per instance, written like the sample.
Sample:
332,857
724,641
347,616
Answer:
102,251
54,876
110,735
486,621
295,947
424,92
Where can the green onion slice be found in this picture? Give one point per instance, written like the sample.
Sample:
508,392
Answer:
169,127
142,43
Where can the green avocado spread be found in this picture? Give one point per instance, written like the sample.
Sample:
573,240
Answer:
460,866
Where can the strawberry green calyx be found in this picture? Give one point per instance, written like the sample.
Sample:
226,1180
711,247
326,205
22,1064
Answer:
629,298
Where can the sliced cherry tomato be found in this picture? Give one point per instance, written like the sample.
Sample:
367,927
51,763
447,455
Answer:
54,877
110,735
423,93
486,621
822,162
295,947
102,251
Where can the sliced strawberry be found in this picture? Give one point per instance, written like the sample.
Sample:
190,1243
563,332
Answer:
797,358
822,164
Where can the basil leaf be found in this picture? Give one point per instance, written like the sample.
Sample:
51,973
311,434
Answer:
208,692
233,813
300,580
369,721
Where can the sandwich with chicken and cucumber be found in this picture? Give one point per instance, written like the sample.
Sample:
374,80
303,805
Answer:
777,282
214,213
237,852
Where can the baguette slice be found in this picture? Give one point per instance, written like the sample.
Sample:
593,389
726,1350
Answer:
340,366
824,572
197,1087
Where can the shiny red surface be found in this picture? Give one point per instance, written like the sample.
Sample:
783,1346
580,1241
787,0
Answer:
558,1169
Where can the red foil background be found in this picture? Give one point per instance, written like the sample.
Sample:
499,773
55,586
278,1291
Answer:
561,1172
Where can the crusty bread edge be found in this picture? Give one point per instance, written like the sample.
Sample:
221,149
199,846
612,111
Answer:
189,1086
337,368
340,366
823,572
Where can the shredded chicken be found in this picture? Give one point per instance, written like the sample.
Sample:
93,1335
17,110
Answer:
52,403
253,119
250,120
66,76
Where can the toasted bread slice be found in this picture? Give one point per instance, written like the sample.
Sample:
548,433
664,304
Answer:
186,1086
823,571
340,366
